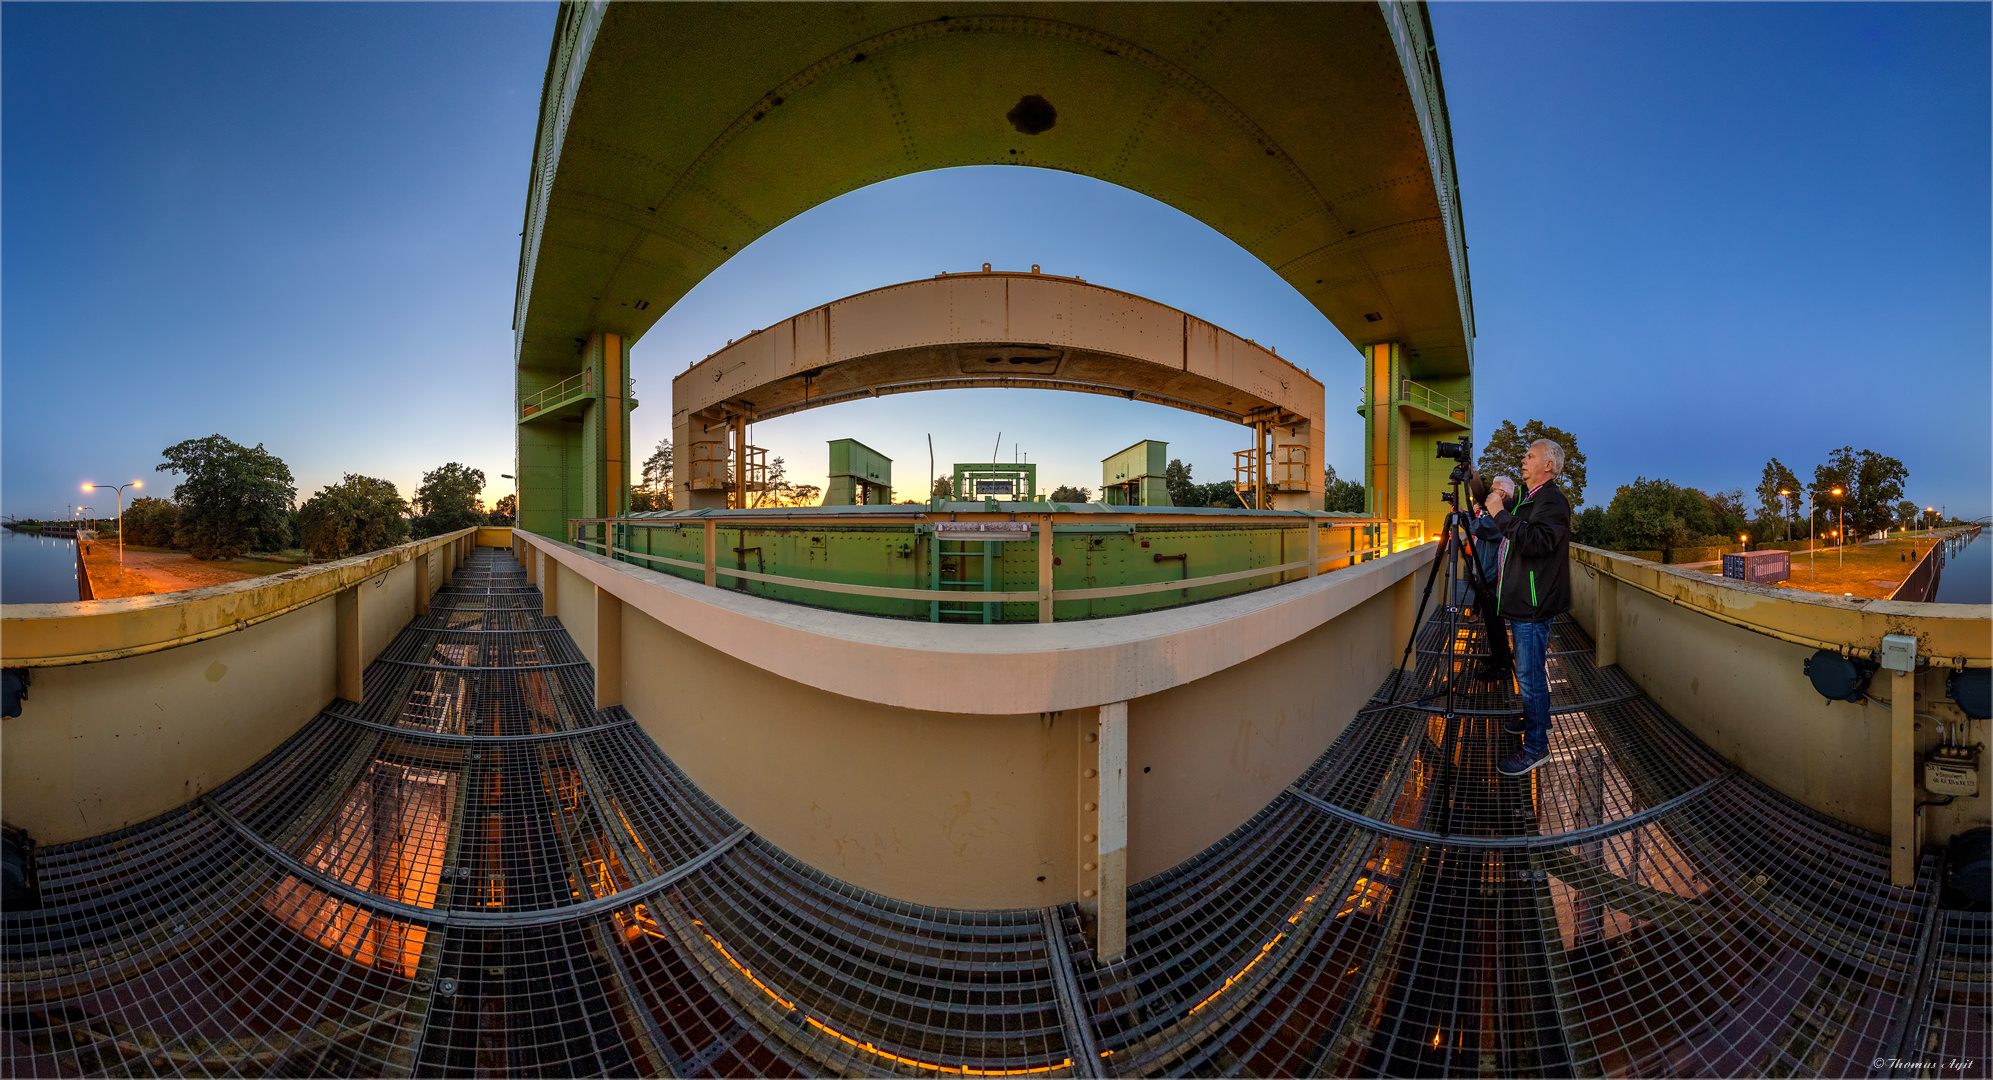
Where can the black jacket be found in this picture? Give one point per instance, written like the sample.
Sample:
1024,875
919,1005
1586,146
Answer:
1535,584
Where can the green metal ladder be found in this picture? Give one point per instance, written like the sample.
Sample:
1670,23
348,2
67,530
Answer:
985,553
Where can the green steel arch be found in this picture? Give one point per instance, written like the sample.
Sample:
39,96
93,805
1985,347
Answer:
672,135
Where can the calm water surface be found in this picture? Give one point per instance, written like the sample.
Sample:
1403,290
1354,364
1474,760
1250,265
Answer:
1968,574
36,569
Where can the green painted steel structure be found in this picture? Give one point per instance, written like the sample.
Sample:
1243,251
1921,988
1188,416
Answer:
897,547
673,135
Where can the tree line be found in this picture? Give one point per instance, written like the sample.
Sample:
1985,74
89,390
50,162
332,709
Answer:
235,499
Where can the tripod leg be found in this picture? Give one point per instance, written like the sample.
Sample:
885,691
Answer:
1418,620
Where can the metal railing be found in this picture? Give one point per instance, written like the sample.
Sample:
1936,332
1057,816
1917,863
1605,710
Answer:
1431,400
1331,544
580,384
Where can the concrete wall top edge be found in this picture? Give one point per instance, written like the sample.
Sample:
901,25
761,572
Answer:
51,635
990,670
1945,632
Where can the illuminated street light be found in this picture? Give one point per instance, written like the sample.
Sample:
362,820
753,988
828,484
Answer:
1840,538
120,489
1784,494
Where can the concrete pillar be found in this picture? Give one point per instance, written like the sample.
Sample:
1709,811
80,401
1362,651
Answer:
608,649
1045,556
347,636
1379,419
422,589
550,582
1902,778
1605,620
1111,880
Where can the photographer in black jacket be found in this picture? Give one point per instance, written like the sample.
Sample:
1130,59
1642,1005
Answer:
1534,588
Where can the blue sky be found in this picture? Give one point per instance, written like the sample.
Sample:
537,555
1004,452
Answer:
1701,235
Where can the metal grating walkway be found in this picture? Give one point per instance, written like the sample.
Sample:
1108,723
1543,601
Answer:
476,873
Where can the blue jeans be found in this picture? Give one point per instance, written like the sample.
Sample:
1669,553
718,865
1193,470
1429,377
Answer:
1532,641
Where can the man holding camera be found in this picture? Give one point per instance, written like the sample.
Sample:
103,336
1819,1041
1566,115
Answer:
1488,557
1533,588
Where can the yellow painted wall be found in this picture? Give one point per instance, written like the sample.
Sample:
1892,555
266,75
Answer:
970,810
1205,757
101,746
1746,694
937,808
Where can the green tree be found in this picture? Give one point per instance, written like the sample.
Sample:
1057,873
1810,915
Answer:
1066,493
1176,479
358,514
1341,496
1878,486
151,522
1649,515
654,492
507,510
1838,472
234,498
1506,447
1591,529
1906,513
1775,511
1221,494
449,499
1727,515
944,487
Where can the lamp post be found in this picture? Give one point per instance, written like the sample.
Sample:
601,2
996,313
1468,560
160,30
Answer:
120,489
1783,495
1812,538
1841,533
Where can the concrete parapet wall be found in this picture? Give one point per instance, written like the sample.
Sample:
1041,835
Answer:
139,705
946,764
1727,659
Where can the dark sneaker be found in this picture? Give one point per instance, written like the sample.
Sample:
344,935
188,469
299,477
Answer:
1492,673
1521,763
1515,725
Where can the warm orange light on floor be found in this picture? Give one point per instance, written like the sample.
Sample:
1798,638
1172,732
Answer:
387,839
866,1046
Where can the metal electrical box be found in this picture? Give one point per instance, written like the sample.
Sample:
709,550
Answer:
1952,770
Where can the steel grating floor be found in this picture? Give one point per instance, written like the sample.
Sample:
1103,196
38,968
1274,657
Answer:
475,872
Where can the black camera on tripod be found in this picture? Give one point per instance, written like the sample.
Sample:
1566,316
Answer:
1462,453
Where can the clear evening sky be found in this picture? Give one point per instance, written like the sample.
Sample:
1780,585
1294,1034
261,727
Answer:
1701,236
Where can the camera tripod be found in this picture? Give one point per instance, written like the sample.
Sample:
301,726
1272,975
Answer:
1454,547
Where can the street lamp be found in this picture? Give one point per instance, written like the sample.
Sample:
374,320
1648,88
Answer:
1840,534
1783,495
120,489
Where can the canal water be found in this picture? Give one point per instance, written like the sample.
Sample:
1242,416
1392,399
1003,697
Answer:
1967,577
36,569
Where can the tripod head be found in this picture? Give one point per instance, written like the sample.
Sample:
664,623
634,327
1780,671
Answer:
1462,454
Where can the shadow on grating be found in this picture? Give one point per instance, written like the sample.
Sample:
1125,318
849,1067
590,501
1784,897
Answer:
475,872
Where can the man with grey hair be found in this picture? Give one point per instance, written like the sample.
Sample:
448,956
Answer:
1487,540
1532,589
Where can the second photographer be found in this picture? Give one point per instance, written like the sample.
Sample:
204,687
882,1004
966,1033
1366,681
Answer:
1534,588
